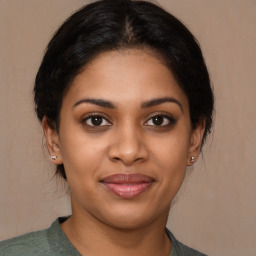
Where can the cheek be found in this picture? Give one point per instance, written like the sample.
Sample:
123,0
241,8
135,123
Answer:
81,154
172,162
172,150
171,159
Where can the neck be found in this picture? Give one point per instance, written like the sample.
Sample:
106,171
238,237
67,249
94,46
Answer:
91,236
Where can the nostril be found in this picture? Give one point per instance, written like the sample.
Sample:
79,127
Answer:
128,150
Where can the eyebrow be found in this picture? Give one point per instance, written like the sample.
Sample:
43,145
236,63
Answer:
146,104
98,102
158,101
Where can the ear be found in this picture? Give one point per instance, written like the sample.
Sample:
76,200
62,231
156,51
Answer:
196,142
52,141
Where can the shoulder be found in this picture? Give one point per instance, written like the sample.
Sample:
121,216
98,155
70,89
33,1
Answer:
49,242
187,251
34,243
182,250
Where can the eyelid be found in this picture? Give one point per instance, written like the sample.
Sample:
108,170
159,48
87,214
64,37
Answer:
90,115
168,116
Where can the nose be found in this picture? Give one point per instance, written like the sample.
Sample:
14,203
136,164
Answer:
128,147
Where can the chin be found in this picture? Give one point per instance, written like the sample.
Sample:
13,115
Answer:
128,218
129,223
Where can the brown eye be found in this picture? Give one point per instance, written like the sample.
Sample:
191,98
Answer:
160,120
96,120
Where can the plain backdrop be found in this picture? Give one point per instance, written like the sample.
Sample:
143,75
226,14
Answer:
215,210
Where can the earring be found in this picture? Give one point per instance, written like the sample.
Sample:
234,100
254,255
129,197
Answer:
54,157
192,159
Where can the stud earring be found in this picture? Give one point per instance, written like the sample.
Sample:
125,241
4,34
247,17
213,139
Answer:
54,157
192,159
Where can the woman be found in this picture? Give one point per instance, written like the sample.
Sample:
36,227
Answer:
125,102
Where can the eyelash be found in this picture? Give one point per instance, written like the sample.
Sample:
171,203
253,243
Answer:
91,115
166,118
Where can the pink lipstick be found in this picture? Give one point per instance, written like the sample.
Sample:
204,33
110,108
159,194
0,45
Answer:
127,185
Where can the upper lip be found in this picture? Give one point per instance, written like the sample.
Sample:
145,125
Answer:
124,178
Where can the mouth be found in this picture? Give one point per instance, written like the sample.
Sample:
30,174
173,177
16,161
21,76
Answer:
127,185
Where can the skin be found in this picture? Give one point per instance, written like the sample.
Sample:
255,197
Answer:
127,141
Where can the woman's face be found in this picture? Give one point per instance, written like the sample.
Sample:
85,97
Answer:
125,139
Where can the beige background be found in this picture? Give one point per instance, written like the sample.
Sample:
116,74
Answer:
216,208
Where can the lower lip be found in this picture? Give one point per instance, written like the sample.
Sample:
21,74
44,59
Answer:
128,190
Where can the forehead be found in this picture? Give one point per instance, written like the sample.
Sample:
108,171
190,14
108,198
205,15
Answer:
126,76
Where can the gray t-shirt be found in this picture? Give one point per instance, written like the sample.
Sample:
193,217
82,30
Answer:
53,242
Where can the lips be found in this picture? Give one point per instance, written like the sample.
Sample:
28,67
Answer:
127,185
